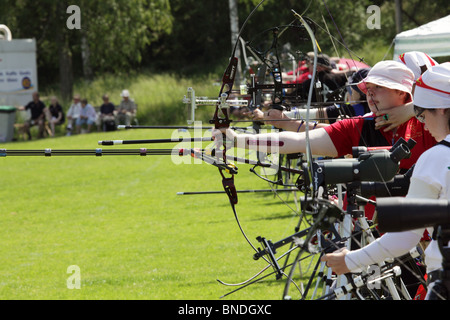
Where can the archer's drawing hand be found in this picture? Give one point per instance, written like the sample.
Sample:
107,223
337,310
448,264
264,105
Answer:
392,118
336,261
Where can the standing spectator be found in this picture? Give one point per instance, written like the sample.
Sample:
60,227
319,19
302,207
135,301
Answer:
106,119
37,109
127,109
87,116
73,113
56,116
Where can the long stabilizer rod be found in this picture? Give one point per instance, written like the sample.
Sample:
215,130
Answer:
129,127
238,191
118,142
88,152
196,153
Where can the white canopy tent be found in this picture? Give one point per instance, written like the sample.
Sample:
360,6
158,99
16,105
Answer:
432,38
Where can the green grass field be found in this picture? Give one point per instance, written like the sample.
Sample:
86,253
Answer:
119,219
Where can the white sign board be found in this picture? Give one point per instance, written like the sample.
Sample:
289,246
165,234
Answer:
18,71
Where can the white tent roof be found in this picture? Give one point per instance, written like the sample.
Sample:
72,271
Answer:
432,38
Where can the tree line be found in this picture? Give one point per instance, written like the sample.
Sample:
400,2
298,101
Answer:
186,36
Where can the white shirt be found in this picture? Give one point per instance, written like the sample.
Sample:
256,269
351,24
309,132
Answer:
74,110
430,179
89,112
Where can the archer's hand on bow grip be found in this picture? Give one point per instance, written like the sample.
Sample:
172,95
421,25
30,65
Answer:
228,134
336,261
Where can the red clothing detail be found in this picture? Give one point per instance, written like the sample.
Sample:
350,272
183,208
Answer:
345,134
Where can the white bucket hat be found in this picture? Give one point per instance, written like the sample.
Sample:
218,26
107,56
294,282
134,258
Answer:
433,88
416,60
125,93
390,74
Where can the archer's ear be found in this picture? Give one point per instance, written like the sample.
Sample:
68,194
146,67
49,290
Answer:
405,96
444,112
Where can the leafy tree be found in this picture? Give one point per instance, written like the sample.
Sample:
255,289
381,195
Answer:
200,36
118,31
113,34
188,36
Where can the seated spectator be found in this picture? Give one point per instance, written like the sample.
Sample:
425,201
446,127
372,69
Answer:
56,115
126,110
73,113
37,109
106,119
87,116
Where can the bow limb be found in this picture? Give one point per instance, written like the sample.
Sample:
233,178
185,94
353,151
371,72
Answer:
224,123
308,105
308,147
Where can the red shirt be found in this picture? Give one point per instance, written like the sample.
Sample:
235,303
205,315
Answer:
301,78
302,73
346,134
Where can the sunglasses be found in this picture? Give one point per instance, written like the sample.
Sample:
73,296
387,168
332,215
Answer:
419,113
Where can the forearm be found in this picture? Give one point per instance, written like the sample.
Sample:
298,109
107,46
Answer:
390,245
286,120
301,113
297,125
288,142
275,142
394,244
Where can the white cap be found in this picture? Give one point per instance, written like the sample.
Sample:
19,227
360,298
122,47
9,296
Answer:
125,93
390,74
415,60
433,88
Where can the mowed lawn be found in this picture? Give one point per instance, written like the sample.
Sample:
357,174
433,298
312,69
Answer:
119,220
